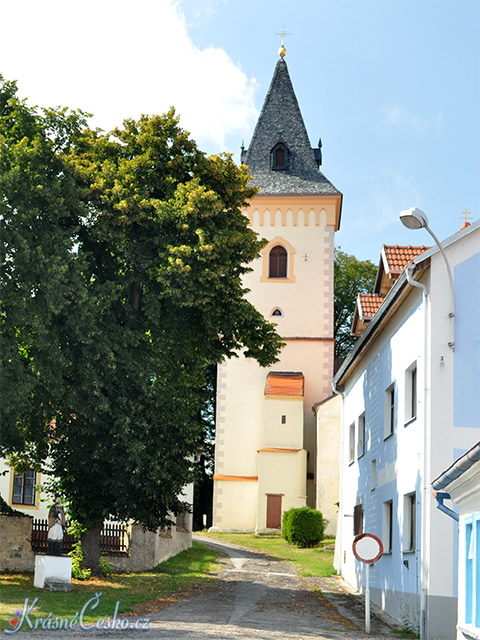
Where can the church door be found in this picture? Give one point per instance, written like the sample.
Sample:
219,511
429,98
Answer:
274,511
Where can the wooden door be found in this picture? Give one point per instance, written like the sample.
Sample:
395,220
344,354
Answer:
274,511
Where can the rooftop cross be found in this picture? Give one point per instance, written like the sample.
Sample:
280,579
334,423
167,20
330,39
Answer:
466,216
282,52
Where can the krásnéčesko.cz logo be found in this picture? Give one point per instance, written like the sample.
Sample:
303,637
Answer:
23,619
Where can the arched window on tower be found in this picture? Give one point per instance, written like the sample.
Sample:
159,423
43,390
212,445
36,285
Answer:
279,157
277,265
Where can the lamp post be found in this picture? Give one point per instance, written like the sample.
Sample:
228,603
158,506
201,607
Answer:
414,218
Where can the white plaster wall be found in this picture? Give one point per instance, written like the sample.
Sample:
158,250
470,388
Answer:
397,473
281,473
288,435
447,440
235,505
328,425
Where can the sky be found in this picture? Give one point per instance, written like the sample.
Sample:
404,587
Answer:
392,87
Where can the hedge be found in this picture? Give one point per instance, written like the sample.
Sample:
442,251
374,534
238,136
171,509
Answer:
303,526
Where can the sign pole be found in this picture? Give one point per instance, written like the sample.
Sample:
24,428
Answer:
367,599
368,549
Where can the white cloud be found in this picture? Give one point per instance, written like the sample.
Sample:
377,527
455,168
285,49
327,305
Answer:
119,59
401,118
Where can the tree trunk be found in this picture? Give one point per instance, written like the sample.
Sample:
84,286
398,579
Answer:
91,550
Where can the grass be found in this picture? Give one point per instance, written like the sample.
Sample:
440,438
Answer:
317,561
187,570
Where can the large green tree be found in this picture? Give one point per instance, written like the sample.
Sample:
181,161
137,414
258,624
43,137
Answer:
122,259
351,276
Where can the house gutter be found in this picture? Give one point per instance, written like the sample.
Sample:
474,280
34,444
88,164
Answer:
458,468
453,472
440,496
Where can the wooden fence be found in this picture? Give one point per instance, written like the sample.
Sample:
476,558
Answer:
113,538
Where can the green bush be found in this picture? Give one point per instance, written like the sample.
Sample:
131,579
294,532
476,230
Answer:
302,527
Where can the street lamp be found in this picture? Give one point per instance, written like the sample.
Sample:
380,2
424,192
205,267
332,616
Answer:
414,218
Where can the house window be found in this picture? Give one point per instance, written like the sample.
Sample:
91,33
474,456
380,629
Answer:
361,436
24,488
471,612
284,419
387,529
277,265
351,455
409,521
358,519
279,157
389,424
411,393
373,475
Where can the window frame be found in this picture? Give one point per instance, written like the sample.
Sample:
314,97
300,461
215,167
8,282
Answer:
387,527
361,436
358,519
351,443
282,148
278,262
410,522
411,393
390,411
21,478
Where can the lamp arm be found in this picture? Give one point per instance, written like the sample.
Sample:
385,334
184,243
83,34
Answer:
452,290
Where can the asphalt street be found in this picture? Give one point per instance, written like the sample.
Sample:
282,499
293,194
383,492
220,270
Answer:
254,597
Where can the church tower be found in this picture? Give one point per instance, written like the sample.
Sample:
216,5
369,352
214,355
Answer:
265,433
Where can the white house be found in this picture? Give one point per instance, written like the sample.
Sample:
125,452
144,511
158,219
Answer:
410,406
461,483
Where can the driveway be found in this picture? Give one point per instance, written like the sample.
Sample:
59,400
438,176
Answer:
253,597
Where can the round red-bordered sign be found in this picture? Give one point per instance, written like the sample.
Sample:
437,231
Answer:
367,548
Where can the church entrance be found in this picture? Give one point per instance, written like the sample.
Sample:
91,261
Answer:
274,511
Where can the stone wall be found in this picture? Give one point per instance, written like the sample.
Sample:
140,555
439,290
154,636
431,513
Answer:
15,549
147,549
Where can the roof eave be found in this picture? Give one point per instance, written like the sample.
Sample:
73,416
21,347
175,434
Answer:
373,327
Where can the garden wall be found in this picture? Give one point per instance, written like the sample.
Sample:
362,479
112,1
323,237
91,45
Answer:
15,543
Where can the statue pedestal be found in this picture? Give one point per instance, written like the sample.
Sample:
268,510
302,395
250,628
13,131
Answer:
55,571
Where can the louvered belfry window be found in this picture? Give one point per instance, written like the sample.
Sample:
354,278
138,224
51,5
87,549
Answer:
277,262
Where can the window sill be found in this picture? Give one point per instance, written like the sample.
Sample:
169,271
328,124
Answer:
407,552
386,436
408,422
387,553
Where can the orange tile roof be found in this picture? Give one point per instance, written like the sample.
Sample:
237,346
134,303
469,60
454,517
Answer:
398,257
369,304
284,384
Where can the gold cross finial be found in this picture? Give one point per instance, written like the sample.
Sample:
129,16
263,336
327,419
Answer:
282,52
466,216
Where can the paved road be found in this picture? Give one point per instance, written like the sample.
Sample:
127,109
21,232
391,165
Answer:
255,597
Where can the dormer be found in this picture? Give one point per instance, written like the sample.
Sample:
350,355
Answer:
280,157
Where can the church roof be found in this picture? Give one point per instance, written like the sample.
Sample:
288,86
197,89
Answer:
281,122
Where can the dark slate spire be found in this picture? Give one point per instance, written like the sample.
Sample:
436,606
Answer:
280,156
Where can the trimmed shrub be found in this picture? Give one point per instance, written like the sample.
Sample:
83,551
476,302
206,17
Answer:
303,527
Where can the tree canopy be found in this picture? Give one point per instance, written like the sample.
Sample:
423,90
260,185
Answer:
351,276
122,255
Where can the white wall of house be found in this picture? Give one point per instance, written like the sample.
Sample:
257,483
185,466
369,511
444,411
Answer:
417,585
